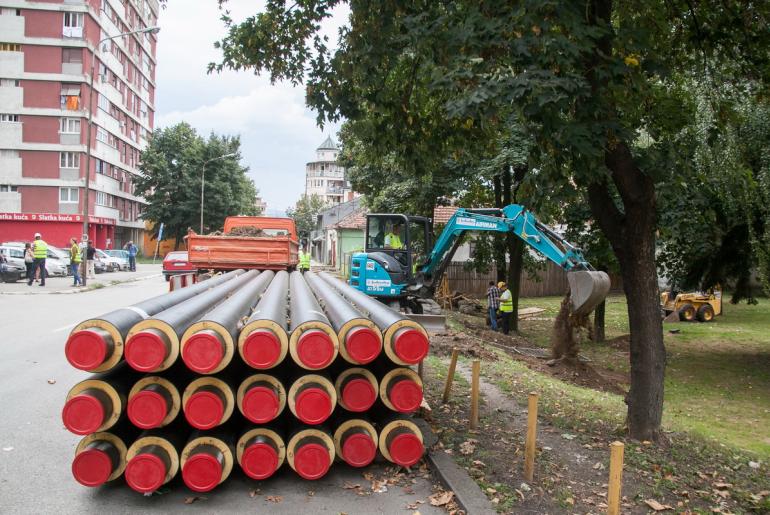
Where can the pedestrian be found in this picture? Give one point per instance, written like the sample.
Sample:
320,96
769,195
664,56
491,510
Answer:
493,304
75,260
90,255
39,253
506,306
304,260
29,262
132,250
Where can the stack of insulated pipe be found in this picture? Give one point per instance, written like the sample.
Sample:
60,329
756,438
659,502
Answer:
322,374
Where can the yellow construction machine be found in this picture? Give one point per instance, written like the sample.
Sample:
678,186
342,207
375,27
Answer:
689,307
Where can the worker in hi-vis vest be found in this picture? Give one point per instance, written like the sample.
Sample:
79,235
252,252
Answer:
506,306
39,252
393,238
304,261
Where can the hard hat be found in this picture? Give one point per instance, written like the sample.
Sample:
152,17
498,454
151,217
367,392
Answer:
501,284
38,235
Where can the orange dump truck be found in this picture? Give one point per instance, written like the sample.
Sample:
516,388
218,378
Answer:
250,242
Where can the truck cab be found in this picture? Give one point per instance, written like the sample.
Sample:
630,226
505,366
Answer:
396,246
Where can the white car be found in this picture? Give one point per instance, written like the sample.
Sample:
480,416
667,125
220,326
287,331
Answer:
14,258
113,263
56,263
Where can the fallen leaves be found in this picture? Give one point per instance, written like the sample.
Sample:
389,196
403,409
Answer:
468,446
274,498
195,498
52,381
254,493
441,498
656,506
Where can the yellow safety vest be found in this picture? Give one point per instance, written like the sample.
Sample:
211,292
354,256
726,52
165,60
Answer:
393,241
40,249
506,302
75,253
304,260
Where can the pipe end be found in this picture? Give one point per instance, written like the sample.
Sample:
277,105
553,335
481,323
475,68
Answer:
145,473
260,404
363,344
262,349
259,461
83,414
203,351
358,395
204,410
315,349
406,449
311,461
313,406
410,345
359,450
92,467
147,409
87,349
146,350
202,472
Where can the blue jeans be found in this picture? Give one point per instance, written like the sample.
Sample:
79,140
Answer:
132,263
493,318
75,267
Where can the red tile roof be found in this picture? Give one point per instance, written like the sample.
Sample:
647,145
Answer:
355,220
442,214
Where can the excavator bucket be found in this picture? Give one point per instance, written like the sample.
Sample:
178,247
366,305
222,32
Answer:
587,290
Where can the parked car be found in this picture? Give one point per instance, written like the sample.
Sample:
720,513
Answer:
12,266
100,266
176,263
113,264
56,263
121,256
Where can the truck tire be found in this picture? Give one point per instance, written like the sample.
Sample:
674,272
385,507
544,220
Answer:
705,313
687,313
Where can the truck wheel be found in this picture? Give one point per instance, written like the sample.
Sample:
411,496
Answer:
705,313
687,313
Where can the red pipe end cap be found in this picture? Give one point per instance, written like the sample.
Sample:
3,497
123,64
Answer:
411,346
145,351
358,395
259,461
311,461
145,473
83,414
262,349
359,450
203,352
204,410
147,409
315,349
86,350
405,396
363,345
260,404
202,472
313,406
92,467
406,450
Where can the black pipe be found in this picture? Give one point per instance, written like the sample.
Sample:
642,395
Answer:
313,343
96,345
263,342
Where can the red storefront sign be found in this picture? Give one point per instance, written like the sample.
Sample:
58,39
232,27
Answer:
53,217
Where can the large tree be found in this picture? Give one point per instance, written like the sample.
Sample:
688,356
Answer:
172,170
304,214
588,77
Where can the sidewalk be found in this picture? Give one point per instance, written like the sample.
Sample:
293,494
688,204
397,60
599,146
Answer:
64,284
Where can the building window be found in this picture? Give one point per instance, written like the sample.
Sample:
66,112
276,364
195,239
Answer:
9,117
103,103
105,199
10,83
71,55
9,11
9,154
69,159
72,19
10,47
70,97
8,188
69,126
101,135
68,195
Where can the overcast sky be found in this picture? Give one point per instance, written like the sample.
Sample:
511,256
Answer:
278,133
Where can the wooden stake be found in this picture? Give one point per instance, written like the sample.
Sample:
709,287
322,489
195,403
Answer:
450,375
475,393
616,478
531,443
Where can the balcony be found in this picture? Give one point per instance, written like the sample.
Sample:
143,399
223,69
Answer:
10,170
10,134
335,191
72,32
11,63
11,98
12,27
72,68
106,212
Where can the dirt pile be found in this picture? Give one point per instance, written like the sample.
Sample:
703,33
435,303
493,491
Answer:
565,336
246,230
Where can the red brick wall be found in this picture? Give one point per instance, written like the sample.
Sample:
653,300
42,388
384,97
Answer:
42,94
42,165
40,129
43,24
42,59
39,199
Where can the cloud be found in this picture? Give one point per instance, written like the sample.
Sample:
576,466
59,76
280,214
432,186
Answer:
278,133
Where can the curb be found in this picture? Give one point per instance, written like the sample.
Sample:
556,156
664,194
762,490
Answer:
81,290
453,477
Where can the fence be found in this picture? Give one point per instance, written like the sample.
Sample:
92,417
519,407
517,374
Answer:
551,281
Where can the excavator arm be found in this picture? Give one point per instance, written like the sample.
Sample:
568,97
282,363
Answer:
588,287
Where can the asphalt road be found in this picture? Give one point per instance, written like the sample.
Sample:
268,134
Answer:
36,450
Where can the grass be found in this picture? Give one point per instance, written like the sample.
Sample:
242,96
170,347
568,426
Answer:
718,374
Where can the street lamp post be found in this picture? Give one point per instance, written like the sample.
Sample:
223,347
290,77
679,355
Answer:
203,180
87,190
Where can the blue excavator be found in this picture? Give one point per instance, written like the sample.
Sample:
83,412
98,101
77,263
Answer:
402,268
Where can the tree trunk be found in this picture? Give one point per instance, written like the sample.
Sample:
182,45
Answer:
515,248
498,240
598,329
632,236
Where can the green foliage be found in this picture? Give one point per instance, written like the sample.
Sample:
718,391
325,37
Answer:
172,165
304,214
